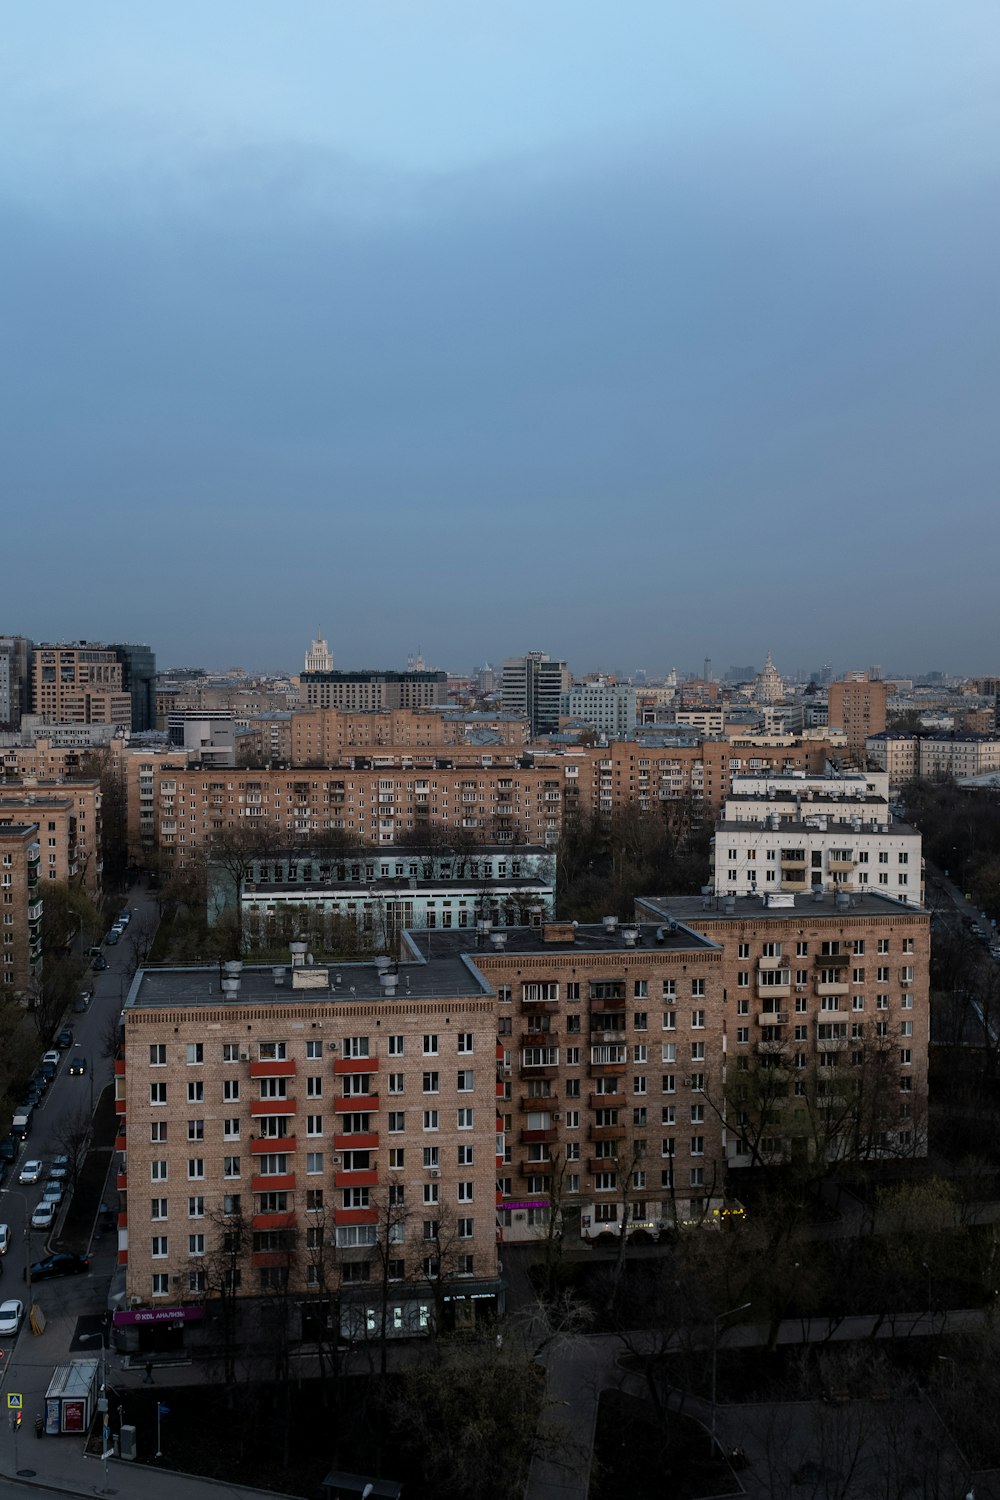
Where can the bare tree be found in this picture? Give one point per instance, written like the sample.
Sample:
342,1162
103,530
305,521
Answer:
72,1138
235,851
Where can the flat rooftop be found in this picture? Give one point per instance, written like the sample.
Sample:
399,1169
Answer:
395,885
698,911
807,823
439,964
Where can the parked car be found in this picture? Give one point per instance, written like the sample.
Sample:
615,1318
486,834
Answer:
65,1038
124,918
60,1161
52,1193
77,1066
30,1172
112,937
57,1172
100,962
11,1316
82,1000
8,1148
4,1238
43,1216
52,1056
60,1264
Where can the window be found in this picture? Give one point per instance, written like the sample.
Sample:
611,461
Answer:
743,949
431,1120
230,1052
572,1088
231,1205
230,1166
356,1046
314,1163
430,1046
159,1247
158,1055
905,1057
432,1193
161,1284
230,1090
195,1052
697,1016
465,1041
272,1051
157,1093
314,1085
196,1244
158,1132
640,989
314,1124
669,1020
158,1208
231,1129
196,1207
158,1171
698,988
431,1083
395,1121
196,1130
314,1049
395,1046
465,1081
196,1092
465,1119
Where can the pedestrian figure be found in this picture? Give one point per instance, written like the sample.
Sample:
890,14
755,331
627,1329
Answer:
149,1373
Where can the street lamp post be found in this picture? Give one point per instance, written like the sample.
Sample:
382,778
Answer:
928,1270
103,1406
715,1357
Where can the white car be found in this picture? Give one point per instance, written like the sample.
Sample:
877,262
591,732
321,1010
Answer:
54,1057
11,1313
30,1172
57,1173
53,1193
44,1216
4,1239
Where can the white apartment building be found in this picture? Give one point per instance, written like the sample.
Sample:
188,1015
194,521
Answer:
795,839
610,707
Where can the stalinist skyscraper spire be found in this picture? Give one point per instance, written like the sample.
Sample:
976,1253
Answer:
319,657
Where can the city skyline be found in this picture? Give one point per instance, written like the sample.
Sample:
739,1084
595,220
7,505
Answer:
541,325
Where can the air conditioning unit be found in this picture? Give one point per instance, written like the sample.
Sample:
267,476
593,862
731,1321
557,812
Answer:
688,1082
135,1301
800,989
435,1172
331,1046
244,1057
906,983
337,1160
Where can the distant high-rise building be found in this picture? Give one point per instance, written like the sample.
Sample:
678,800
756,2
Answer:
15,680
533,686
768,686
80,683
139,681
858,707
319,657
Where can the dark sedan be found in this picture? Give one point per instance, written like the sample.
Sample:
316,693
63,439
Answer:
59,1265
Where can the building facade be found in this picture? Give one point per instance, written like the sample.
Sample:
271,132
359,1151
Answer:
79,684
857,705
360,691
68,819
20,912
533,687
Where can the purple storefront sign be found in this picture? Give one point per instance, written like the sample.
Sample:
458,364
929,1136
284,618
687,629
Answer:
159,1315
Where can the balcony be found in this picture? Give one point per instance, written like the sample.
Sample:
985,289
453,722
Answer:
534,1168
539,1137
607,1069
368,1141
831,960
283,1069
534,1103
771,1049
602,1164
773,1018
607,1003
606,1132
351,1102
832,989
366,1178
260,1107
832,1044
538,1070
276,1182
356,1065
538,1039
263,1145
606,1101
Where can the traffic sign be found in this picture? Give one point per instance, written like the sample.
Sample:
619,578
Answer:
15,1401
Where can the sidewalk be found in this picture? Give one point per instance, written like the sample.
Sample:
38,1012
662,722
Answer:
59,1463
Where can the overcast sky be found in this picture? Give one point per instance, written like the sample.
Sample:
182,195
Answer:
632,332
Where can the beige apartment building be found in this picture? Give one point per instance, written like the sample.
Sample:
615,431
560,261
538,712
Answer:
386,1174
361,691
68,817
905,756
20,912
826,1014
324,736
79,684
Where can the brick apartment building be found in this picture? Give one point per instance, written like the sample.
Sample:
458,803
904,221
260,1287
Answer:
68,815
20,912
857,705
818,986
357,691
611,1075
388,1168
324,736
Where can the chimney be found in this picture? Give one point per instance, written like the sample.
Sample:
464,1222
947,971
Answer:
558,932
